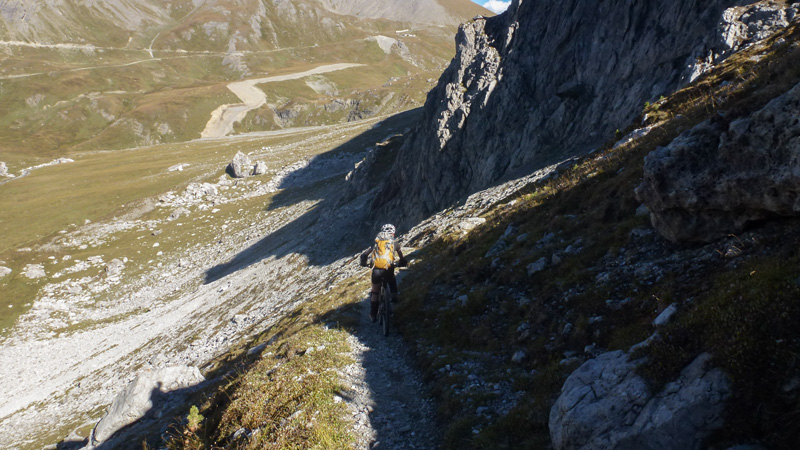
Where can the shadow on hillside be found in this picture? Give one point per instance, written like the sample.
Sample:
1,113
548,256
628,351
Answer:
326,232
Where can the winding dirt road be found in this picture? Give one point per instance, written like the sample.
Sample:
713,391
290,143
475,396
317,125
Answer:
224,117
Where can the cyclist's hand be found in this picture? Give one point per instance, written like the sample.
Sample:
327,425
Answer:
363,262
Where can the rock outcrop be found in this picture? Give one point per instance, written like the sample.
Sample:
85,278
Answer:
539,83
741,26
716,178
606,405
144,395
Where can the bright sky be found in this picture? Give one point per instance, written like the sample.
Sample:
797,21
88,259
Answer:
497,6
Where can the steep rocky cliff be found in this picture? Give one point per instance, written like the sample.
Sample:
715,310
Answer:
544,81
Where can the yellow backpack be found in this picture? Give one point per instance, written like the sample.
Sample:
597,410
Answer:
383,253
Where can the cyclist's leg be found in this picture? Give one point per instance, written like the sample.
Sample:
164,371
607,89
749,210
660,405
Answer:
377,276
392,284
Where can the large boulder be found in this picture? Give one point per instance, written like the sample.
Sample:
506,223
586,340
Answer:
241,166
723,174
144,395
604,404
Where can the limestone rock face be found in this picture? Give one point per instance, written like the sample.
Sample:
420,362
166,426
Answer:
241,166
714,179
141,396
604,404
540,83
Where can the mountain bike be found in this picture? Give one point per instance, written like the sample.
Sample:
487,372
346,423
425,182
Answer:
385,307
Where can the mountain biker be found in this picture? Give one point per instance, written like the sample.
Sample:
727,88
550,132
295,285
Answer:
383,254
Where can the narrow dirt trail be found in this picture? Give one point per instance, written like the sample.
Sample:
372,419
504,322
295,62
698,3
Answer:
390,406
224,117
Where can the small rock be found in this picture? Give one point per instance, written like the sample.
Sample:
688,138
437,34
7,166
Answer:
546,239
665,315
178,213
555,260
499,247
4,271
518,357
595,319
257,349
177,167
470,223
260,168
157,232
241,433
34,271
537,266
616,305
114,267
3,169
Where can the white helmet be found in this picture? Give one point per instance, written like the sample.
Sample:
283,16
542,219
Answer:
388,228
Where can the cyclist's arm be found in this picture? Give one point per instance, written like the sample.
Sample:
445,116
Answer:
402,260
364,256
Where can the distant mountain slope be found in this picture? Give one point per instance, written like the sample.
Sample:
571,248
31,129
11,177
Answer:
84,75
110,22
117,22
451,12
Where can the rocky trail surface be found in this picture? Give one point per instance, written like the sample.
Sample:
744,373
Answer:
390,406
